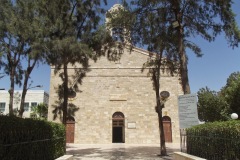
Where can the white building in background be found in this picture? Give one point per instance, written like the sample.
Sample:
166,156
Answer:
33,98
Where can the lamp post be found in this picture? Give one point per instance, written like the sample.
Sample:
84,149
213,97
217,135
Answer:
164,97
234,116
37,86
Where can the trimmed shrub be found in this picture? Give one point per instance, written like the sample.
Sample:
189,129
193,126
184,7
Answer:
217,140
28,139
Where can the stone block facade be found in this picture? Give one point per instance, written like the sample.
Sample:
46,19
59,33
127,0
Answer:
120,87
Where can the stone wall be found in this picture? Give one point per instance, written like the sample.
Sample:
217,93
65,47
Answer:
120,87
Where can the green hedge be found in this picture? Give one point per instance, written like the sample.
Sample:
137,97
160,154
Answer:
30,139
217,140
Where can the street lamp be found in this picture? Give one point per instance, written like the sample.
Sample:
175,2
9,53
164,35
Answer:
37,86
164,97
234,116
71,94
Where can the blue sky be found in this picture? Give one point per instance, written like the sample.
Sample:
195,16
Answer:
211,70
217,63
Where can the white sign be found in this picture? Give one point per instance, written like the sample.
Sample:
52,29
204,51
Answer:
187,109
131,125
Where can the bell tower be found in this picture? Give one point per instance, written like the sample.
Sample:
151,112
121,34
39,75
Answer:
117,32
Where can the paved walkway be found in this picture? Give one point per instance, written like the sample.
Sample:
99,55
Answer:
120,151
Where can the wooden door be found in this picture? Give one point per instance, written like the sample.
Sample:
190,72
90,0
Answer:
70,128
167,128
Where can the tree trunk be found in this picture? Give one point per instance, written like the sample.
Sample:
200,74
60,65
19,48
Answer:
181,48
156,80
183,63
11,91
25,85
65,94
163,150
24,92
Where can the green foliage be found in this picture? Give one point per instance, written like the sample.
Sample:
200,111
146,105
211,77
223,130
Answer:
58,139
217,106
231,93
151,25
41,110
20,41
63,32
73,37
211,106
217,140
19,35
71,30
30,139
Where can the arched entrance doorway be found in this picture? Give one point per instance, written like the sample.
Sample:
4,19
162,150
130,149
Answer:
118,129
70,129
167,126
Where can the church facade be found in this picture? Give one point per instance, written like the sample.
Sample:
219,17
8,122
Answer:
117,103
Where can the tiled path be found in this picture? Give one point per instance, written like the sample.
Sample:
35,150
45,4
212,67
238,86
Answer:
120,151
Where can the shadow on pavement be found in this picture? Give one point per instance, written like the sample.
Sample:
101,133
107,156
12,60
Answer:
120,153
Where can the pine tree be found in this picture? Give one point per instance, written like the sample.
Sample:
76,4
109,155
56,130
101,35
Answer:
165,28
19,38
191,18
73,37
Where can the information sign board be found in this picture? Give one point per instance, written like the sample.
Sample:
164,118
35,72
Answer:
187,109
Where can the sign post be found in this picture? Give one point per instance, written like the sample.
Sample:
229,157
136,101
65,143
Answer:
188,115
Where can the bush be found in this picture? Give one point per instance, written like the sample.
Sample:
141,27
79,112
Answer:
23,139
217,140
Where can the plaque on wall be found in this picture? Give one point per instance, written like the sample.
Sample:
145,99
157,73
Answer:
118,97
131,125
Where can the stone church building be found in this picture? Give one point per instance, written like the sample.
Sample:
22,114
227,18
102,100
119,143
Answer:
117,103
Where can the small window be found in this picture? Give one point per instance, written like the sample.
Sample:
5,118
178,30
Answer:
26,106
33,104
2,106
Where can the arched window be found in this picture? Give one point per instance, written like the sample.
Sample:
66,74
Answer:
118,115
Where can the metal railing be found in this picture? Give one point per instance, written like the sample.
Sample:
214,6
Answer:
23,149
211,147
